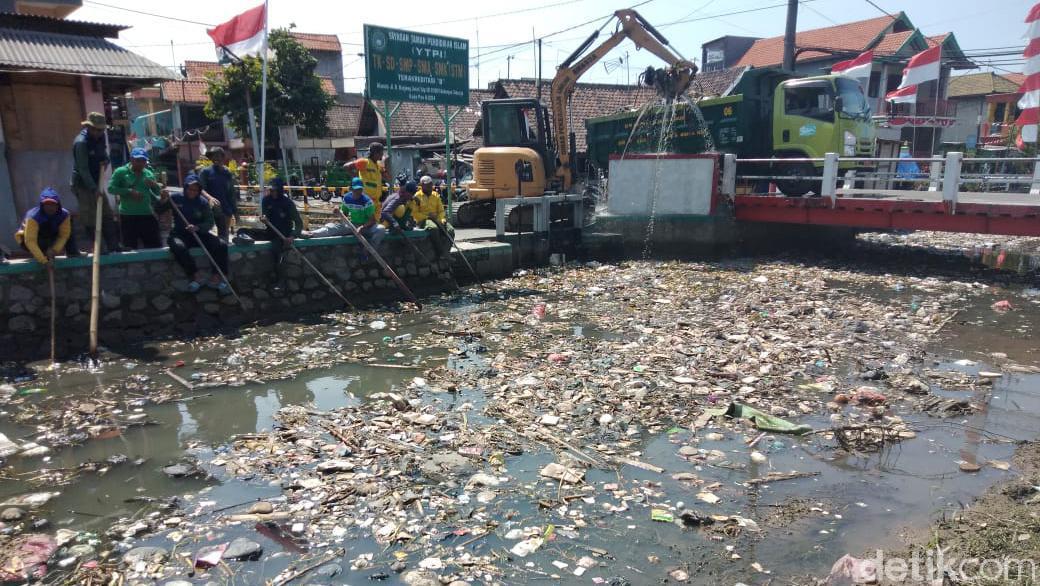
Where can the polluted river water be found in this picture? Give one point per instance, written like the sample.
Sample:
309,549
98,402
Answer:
690,505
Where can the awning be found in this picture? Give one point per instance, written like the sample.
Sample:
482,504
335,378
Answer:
35,50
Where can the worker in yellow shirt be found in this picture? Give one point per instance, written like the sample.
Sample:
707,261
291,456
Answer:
372,171
46,228
427,210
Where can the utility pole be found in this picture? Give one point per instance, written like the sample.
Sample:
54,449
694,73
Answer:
539,83
789,34
509,59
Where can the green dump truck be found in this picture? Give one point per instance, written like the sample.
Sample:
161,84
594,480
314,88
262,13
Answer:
766,114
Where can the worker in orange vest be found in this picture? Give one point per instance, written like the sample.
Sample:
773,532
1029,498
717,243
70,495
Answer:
373,171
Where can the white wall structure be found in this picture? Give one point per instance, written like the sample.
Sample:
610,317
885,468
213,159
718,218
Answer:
669,184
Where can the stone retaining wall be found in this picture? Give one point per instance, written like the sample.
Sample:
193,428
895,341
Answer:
143,292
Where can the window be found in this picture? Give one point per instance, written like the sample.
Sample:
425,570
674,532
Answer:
999,112
814,100
874,84
853,102
511,124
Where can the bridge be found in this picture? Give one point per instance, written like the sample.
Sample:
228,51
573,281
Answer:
956,194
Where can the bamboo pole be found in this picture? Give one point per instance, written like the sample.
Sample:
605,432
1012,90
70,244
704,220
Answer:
375,254
95,276
205,251
309,264
54,309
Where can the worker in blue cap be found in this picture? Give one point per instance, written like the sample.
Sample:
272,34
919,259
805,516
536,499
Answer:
359,208
137,190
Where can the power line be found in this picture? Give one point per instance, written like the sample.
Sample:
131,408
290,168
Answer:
561,31
883,11
518,11
820,14
148,13
732,13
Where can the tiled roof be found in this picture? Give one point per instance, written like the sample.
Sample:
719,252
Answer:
146,93
1016,78
199,69
421,120
936,39
192,90
317,42
892,43
39,43
981,84
187,91
344,121
851,37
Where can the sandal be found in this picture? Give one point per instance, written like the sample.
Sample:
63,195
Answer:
223,288
194,286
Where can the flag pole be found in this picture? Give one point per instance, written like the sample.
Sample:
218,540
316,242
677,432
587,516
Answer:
263,106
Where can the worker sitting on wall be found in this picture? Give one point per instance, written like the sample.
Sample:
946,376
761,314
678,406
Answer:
279,210
372,171
395,214
361,211
198,214
46,228
427,210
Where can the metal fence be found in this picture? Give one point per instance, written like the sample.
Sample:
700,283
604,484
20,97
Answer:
953,176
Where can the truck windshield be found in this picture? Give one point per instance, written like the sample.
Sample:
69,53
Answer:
853,102
509,125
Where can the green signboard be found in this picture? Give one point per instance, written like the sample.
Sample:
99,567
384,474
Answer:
404,66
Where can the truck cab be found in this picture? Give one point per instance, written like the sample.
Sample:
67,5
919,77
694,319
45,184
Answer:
816,115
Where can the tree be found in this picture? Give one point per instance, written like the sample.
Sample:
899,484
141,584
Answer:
294,92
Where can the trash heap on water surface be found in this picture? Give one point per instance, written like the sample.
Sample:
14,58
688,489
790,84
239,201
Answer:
579,369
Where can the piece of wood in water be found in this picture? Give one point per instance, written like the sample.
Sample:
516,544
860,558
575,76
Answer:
778,476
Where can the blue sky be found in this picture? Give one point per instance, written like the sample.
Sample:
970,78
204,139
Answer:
978,25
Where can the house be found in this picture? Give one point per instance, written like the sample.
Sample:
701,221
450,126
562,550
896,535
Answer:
894,39
329,53
53,71
987,105
724,52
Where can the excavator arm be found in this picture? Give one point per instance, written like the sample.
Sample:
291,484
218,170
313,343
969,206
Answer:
632,26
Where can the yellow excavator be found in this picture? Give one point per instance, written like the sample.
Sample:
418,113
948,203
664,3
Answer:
523,155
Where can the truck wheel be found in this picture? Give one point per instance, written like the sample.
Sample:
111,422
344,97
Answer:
325,195
798,185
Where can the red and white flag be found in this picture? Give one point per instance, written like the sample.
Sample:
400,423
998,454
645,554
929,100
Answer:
858,68
242,35
922,67
1029,103
902,95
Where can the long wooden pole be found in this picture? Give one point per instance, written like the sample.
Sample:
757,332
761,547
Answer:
54,309
205,251
375,254
311,265
463,255
95,276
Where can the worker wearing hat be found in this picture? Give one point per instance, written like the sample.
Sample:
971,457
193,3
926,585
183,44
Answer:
46,228
191,227
90,155
427,210
135,186
395,214
372,171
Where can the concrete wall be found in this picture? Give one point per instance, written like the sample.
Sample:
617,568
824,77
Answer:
143,293
969,111
670,184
